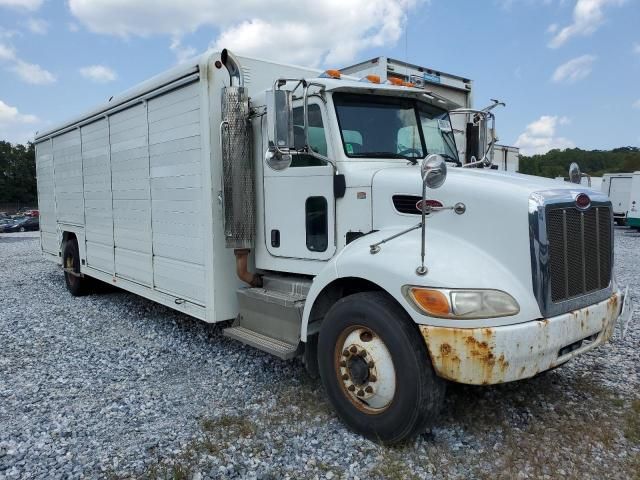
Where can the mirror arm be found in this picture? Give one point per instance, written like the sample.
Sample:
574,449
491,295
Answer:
305,113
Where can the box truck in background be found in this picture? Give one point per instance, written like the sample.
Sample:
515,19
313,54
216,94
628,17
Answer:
617,186
330,218
633,215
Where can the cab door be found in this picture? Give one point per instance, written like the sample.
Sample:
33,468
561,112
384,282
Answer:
299,201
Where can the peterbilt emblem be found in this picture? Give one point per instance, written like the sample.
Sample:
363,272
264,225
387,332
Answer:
583,201
429,204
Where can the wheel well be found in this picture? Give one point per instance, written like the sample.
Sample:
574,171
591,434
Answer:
66,236
339,288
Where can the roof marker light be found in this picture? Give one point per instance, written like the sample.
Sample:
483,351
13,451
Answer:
408,84
395,81
330,74
371,79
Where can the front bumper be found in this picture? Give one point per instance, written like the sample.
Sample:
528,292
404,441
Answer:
483,356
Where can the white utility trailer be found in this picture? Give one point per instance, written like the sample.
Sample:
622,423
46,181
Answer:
617,186
328,217
633,215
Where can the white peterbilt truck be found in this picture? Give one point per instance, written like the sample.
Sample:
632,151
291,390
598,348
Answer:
331,218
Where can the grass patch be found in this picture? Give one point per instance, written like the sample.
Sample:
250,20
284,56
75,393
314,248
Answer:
632,422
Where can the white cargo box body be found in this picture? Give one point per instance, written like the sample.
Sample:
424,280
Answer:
618,187
137,181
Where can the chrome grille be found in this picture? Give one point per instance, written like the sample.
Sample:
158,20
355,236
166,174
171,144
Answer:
579,250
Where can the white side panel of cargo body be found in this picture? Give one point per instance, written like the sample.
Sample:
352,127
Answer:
128,134
177,193
46,197
98,201
67,172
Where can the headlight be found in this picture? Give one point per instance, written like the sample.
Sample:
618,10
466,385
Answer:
461,304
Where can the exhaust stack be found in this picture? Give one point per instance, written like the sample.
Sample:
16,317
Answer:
237,170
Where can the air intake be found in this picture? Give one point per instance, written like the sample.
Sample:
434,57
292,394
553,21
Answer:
237,169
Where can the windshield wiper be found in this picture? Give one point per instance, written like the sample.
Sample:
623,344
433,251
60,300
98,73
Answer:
414,160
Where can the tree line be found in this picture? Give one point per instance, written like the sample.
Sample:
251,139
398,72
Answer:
17,173
555,163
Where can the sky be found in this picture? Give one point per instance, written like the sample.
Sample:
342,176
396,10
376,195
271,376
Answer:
568,70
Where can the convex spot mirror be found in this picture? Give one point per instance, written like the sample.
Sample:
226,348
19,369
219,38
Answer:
575,175
434,171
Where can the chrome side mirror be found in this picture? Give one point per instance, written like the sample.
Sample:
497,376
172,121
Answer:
574,173
279,128
434,171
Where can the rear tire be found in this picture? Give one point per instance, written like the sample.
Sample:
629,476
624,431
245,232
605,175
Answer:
77,286
376,370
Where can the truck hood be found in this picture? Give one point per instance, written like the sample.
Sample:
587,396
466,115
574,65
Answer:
486,247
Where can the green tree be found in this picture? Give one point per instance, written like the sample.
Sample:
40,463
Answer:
17,173
555,163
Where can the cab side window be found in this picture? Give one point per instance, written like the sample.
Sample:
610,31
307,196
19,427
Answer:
317,139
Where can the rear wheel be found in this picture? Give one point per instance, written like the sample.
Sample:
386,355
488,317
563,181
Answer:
76,284
375,368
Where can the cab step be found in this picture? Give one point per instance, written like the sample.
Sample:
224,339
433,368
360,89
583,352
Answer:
280,349
270,318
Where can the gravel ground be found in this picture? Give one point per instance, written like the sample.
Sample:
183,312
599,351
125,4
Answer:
115,386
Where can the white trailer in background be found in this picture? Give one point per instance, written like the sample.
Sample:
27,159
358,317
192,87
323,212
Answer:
617,186
633,215
506,158
330,219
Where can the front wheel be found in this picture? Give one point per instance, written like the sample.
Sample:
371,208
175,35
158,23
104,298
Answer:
375,368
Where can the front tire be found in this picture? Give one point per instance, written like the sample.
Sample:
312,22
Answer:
375,368
77,285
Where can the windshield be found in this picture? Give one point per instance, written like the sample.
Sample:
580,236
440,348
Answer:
391,127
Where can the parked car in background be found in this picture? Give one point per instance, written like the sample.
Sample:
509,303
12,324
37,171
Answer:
32,213
24,224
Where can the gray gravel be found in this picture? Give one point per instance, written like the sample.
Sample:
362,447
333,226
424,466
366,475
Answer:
115,386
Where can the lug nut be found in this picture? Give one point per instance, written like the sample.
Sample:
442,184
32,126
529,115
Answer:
361,393
371,364
353,349
373,378
362,353
345,377
369,389
343,363
352,388
345,353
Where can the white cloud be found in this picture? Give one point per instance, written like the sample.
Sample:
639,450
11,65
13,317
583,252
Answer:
98,73
24,4
16,127
307,31
32,73
182,52
9,114
574,70
540,136
37,26
636,104
587,17
7,52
